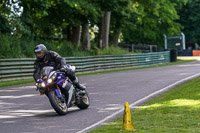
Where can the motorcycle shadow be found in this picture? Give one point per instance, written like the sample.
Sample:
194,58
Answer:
52,113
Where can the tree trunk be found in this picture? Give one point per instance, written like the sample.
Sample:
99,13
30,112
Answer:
67,33
105,40
88,38
75,34
85,37
101,31
116,37
104,30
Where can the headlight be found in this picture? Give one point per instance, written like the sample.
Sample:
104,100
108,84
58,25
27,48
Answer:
49,80
43,84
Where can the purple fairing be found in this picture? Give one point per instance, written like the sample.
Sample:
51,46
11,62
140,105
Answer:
39,80
56,78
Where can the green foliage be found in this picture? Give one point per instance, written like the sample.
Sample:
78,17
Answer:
13,47
112,51
154,18
122,17
5,46
67,49
27,47
189,18
139,21
10,47
50,19
5,11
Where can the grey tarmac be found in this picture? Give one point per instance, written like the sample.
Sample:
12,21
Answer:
23,110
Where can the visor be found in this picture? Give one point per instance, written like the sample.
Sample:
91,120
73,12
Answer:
38,50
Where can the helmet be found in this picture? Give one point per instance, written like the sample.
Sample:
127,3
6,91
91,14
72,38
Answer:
40,51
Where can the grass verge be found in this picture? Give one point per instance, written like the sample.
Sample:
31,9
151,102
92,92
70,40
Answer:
176,111
18,82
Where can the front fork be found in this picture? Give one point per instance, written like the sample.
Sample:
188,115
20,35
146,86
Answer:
58,92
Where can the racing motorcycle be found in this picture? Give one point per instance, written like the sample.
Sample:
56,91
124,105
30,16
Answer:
61,92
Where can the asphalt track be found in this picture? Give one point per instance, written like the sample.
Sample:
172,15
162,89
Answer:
23,110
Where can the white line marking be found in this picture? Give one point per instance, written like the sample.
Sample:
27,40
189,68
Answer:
133,105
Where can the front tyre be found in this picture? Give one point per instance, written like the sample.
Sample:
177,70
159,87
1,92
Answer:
58,105
83,100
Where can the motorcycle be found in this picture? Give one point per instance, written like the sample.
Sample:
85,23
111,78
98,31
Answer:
61,92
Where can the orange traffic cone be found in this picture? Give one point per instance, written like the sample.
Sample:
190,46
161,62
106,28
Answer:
127,122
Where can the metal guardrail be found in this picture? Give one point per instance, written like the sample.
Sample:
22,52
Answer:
144,48
14,69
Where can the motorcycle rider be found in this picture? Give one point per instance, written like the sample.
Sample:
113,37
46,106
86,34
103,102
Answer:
51,58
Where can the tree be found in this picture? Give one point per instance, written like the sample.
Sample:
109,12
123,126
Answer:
105,27
33,18
106,7
138,21
5,11
62,19
122,17
189,19
154,18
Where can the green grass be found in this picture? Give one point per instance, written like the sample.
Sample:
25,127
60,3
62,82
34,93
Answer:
18,82
176,111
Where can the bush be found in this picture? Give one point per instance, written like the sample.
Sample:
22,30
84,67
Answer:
10,47
112,51
4,46
13,47
68,49
27,47
16,50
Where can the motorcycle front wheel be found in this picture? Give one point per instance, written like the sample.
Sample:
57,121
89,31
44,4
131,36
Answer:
58,105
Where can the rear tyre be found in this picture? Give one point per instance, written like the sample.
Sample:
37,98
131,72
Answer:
83,100
58,105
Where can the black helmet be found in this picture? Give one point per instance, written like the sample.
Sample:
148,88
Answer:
40,51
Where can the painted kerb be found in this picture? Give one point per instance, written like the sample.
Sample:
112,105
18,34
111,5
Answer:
22,68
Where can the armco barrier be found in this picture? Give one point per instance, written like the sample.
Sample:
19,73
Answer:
13,69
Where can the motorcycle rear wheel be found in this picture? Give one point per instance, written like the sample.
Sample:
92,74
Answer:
84,101
57,104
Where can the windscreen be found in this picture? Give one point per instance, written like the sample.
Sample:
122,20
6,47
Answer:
46,71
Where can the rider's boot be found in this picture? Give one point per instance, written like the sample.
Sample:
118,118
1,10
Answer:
78,85
74,79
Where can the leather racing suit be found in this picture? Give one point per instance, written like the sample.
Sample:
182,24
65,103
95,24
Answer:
53,59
